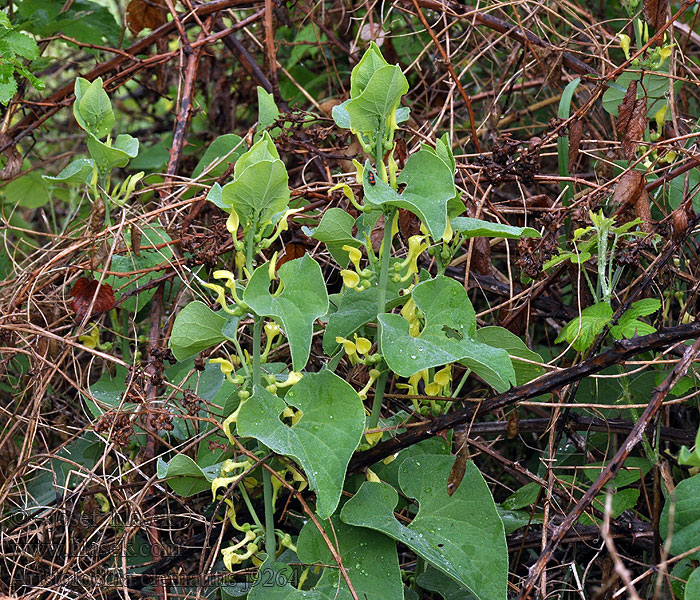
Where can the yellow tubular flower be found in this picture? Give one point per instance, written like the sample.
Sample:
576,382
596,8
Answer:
272,330
348,346
359,171
232,223
372,439
373,374
433,389
91,339
355,255
292,378
220,296
363,345
350,278
226,367
372,476
444,376
625,44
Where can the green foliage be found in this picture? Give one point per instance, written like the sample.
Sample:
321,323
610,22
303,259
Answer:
461,535
685,529
444,303
301,301
322,441
15,48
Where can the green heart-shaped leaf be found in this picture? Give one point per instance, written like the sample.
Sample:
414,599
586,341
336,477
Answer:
378,100
370,559
462,535
322,441
303,300
429,187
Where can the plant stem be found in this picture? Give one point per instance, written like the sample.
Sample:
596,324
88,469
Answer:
249,251
378,398
270,541
386,256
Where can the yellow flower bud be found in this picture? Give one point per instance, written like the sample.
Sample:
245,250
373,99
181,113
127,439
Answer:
625,44
232,223
372,476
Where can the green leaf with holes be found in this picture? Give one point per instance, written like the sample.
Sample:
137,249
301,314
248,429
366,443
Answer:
322,441
462,535
303,299
449,335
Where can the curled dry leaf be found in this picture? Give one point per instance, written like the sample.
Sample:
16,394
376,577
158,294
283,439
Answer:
642,209
655,12
14,160
97,215
377,235
292,250
575,133
481,256
632,120
679,221
628,189
409,224
83,292
459,468
513,425
145,14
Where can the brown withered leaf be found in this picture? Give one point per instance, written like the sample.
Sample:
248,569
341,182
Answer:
83,292
655,12
376,236
575,133
481,256
145,14
631,120
628,189
459,468
513,425
14,160
550,62
679,223
409,224
642,208
97,214
291,251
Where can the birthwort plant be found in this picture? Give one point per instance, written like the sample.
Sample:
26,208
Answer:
393,319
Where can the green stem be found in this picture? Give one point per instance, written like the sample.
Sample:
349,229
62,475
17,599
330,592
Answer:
249,250
257,339
378,398
249,504
386,256
270,541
